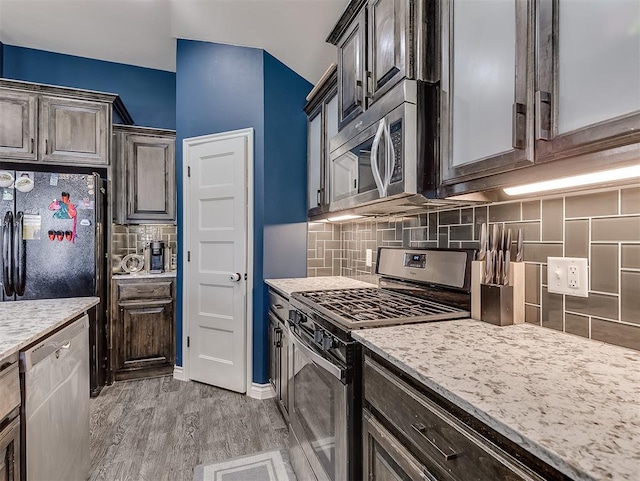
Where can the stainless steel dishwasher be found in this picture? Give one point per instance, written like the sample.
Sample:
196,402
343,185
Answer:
56,407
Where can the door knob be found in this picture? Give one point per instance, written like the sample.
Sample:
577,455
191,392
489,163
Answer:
235,277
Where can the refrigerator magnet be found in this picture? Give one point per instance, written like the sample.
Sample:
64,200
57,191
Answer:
24,181
32,226
6,179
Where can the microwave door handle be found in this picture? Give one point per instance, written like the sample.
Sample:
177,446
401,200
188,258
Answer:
390,158
375,170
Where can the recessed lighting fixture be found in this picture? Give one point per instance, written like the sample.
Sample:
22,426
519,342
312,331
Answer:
340,218
576,180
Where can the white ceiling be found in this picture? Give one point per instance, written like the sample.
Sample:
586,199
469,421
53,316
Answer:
143,32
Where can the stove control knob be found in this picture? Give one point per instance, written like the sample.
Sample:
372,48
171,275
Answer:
318,336
327,342
295,318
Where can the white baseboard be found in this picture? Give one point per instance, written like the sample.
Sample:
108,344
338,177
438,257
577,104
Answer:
178,373
261,391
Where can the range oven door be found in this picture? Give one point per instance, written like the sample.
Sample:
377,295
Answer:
319,400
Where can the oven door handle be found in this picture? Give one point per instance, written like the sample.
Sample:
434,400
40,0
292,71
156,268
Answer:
339,373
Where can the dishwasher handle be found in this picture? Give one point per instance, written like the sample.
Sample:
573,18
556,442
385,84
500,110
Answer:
52,345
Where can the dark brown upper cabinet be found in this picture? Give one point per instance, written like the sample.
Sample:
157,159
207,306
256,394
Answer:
377,42
588,86
18,125
145,165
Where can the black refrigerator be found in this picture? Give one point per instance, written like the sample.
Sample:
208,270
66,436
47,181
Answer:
53,245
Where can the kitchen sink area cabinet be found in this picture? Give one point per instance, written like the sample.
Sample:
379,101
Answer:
145,173
487,88
322,114
54,125
380,42
18,112
279,350
142,327
9,419
408,435
573,65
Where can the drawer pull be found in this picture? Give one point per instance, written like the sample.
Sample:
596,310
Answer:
422,430
278,306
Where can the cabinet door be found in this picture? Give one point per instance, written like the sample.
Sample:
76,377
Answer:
486,98
389,45
145,335
274,355
150,178
351,66
74,131
314,154
10,452
385,458
284,369
589,85
18,125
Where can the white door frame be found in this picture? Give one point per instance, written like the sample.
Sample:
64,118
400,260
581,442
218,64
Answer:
186,145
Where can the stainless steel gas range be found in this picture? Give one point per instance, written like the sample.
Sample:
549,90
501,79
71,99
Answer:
416,285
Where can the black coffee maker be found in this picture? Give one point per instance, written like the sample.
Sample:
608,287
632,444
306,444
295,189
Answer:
157,257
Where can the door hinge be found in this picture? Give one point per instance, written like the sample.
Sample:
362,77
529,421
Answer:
188,256
245,276
188,171
188,341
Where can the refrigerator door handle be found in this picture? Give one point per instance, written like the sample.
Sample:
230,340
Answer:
7,257
19,256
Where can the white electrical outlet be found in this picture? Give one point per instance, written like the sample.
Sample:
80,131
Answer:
568,275
368,260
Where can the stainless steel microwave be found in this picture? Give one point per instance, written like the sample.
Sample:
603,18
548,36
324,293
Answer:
388,153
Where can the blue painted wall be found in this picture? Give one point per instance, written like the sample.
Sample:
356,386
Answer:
221,88
1,58
149,94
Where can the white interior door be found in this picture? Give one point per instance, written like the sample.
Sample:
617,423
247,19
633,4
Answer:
215,288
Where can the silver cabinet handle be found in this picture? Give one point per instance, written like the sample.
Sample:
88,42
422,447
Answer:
235,277
518,125
32,145
278,306
422,430
359,93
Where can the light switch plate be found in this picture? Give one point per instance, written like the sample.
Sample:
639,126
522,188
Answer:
368,261
568,275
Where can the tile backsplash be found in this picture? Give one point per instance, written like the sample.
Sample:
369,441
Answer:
130,239
602,226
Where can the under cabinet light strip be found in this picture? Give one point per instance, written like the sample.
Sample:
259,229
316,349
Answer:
576,181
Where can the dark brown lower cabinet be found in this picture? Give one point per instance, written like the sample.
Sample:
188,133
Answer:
10,451
143,329
408,436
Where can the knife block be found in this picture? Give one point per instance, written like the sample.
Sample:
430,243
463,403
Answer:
516,280
497,304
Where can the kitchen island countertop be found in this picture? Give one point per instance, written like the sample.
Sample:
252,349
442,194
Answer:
298,284
572,402
24,322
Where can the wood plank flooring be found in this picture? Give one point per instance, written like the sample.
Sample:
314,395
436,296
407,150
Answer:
160,429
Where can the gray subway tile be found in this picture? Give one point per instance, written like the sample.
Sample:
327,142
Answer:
324,271
551,310
630,201
595,305
419,234
534,252
480,214
315,262
552,220
543,275
615,333
449,217
532,283
575,324
531,210
466,216
461,232
433,226
532,314
604,268
630,296
616,229
504,212
576,238
316,226
631,256
443,237
590,205
530,230
469,245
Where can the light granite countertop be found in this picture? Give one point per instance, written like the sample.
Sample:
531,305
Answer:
299,284
572,402
143,275
24,322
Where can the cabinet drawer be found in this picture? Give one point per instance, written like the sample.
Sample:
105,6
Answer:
440,440
10,389
279,306
144,290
